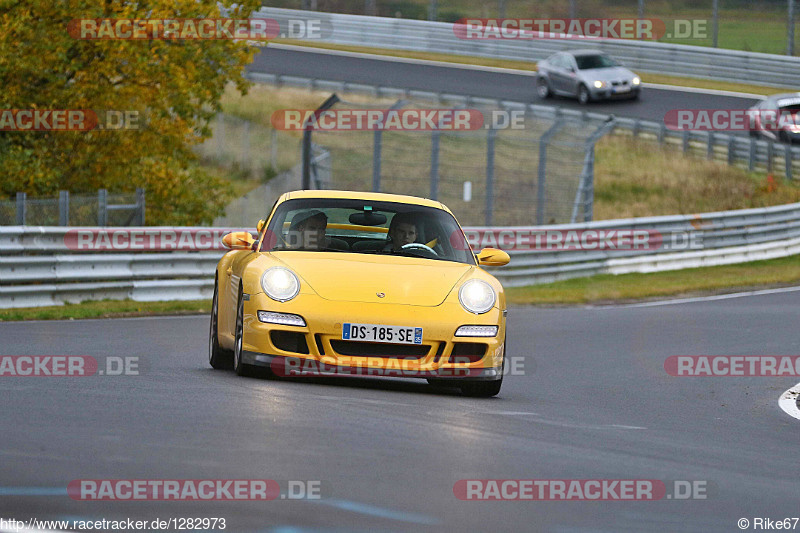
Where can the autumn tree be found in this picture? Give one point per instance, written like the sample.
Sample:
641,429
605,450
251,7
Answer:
174,85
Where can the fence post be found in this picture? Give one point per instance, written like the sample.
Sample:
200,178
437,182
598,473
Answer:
710,147
376,161
141,204
787,151
434,164
588,190
21,206
102,207
731,149
751,159
307,129
770,155
490,137
685,141
63,208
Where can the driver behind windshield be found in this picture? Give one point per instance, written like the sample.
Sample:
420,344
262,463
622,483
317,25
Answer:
307,230
402,231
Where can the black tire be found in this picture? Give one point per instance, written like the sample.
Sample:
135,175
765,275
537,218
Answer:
636,95
238,366
543,88
486,389
438,382
584,96
784,137
482,389
217,357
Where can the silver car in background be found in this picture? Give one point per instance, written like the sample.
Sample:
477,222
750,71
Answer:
586,75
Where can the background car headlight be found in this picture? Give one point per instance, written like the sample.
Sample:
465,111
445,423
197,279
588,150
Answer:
599,84
636,80
476,296
280,283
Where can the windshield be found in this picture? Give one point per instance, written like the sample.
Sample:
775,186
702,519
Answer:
595,61
366,227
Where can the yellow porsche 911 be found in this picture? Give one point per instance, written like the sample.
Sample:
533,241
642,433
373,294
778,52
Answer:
352,283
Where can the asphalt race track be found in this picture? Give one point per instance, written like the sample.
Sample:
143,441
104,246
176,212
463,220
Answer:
594,403
653,104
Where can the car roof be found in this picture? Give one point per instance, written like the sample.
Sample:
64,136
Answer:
590,52
783,96
369,196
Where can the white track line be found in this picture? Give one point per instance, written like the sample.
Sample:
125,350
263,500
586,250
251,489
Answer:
699,298
465,66
788,401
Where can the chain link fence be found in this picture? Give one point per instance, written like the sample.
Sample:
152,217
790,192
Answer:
102,209
538,172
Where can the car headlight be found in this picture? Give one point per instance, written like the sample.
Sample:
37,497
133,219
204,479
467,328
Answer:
476,296
280,283
636,80
599,84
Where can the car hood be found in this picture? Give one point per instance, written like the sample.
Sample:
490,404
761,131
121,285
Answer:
607,74
360,277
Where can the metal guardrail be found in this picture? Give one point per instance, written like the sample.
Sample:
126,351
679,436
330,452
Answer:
746,152
440,37
38,267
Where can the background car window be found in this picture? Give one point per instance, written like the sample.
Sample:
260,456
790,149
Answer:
595,61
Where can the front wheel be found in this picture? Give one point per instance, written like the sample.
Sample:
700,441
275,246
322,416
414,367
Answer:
583,95
239,367
217,357
482,389
543,88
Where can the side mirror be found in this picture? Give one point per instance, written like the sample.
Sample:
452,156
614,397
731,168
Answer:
492,257
260,225
238,240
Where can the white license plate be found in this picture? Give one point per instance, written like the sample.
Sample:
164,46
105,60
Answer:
380,333
622,89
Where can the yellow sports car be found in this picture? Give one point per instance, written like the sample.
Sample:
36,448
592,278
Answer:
353,283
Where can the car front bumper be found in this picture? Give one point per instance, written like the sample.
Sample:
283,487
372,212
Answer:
607,93
318,348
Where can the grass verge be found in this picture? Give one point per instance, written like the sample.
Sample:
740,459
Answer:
609,288
105,309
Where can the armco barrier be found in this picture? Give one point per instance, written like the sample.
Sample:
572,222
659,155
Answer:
747,152
440,37
38,267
